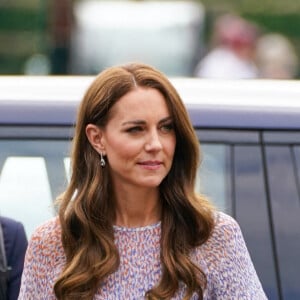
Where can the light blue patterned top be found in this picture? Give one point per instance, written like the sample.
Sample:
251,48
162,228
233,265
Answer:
224,259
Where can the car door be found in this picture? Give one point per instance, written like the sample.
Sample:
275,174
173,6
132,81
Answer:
282,168
254,176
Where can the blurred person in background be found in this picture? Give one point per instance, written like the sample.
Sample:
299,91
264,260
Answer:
232,55
13,245
276,57
61,22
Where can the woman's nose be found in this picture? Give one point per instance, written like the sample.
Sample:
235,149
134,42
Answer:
153,142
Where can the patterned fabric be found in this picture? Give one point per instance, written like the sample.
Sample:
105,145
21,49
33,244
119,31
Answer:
224,259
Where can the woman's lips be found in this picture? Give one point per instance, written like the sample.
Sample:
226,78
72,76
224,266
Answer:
150,164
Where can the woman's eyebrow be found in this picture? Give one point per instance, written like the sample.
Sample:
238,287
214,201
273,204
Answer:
165,120
142,122
134,122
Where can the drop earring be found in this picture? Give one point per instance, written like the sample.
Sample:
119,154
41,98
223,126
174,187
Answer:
102,160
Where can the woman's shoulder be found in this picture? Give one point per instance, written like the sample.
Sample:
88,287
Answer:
224,256
44,260
222,218
224,222
226,231
48,232
225,238
45,244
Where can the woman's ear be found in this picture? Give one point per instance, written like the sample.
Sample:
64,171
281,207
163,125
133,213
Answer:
95,137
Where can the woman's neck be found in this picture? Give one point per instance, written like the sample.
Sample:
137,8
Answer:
137,208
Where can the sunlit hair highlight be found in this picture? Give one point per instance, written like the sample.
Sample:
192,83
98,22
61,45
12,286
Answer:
86,210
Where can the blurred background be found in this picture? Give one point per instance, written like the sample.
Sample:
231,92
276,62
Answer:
207,38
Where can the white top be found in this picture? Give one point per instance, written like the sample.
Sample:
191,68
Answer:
222,63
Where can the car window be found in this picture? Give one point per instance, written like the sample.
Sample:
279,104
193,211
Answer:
67,165
213,177
32,174
21,199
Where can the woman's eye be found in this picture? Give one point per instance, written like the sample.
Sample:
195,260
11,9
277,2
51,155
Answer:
167,127
134,129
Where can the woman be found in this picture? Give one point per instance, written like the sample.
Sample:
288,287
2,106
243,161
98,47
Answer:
130,225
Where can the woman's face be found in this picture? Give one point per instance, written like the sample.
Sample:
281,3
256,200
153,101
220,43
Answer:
139,139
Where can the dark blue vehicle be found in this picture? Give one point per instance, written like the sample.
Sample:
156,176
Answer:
250,140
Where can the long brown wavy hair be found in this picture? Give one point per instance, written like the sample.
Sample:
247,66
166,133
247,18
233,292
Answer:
87,212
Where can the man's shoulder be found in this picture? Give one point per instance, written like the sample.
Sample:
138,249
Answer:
11,226
9,221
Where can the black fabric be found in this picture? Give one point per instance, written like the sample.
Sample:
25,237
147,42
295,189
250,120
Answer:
4,270
15,245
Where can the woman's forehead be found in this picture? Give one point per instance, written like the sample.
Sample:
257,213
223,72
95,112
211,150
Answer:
141,102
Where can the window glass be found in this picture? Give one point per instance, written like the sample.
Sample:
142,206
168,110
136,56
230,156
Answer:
19,198
214,175
67,165
32,174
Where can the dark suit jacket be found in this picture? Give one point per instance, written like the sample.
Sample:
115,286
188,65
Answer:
15,242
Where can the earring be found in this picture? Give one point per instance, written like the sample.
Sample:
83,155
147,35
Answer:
102,161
